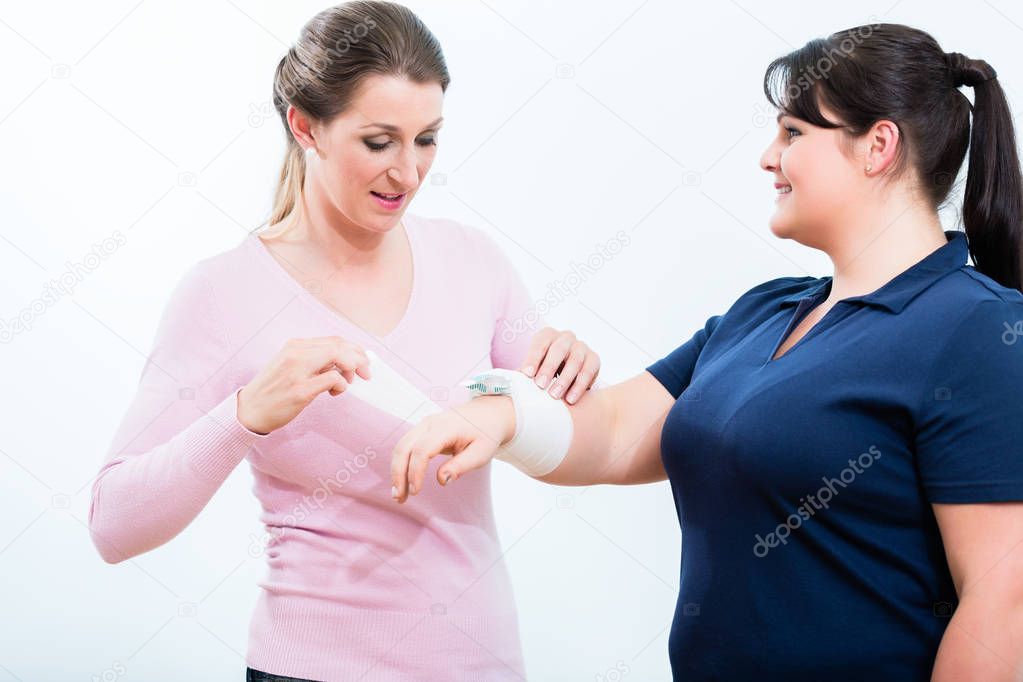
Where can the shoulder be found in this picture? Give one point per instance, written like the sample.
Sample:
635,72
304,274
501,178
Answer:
754,305
228,263
783,286
983,324
967,286
459,242
225,275
203,275
777,290
967,299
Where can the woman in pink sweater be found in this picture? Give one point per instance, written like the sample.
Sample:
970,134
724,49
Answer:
256,348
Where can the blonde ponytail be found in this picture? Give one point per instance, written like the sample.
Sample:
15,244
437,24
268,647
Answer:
288,197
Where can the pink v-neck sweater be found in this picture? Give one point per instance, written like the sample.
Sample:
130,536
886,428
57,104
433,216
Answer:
357,587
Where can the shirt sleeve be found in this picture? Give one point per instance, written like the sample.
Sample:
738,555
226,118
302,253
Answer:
516,315
180,437
969,435
675,370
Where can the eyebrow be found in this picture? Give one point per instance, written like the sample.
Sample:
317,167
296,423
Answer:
393,128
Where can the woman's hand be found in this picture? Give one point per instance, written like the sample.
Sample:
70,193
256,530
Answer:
302,370
472,433
561,354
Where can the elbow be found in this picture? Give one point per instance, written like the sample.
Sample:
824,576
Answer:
111,557
103,535
101,540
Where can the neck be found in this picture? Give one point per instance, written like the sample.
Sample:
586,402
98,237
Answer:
334,236
901,234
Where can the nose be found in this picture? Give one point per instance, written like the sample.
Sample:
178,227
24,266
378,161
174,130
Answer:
771,158
405,172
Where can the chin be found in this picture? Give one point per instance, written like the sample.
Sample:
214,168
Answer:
375,222
781,228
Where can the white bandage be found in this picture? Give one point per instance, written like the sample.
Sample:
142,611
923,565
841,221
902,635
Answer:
543,425
389,391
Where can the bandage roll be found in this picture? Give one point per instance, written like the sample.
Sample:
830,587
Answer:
543,425
389,391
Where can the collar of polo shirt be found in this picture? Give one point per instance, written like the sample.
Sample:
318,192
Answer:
896,294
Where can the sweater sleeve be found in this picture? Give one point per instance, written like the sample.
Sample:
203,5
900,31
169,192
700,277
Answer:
516,315
180,437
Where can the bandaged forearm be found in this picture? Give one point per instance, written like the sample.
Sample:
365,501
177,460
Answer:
543,425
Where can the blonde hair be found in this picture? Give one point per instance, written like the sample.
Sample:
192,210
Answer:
289,186
320,74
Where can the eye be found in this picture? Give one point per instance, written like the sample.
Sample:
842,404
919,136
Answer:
427,141
792,132
376,146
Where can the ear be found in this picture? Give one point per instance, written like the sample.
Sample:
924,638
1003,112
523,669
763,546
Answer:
883,140
302,127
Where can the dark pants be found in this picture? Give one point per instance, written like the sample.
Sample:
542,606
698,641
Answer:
252,675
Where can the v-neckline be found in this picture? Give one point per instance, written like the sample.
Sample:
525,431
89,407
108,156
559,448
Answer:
335,315
805,307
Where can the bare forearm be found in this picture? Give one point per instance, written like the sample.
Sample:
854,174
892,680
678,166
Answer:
983,641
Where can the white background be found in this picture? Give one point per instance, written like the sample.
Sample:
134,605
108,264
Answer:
153,118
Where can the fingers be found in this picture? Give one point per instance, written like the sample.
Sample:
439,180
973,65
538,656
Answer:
331,380
400,462
349,358
474,456
419,459
570,372
438,435
538,346
556,354
585,378
412,455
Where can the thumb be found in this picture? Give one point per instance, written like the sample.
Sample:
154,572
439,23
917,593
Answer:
473,456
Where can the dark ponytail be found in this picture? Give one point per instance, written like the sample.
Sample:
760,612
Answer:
993,200
898,73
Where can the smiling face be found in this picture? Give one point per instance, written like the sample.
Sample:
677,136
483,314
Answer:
371,159
818,177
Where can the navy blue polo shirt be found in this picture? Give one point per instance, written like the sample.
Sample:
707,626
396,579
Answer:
804,484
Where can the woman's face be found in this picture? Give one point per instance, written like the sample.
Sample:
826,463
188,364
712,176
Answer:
371,159
817,180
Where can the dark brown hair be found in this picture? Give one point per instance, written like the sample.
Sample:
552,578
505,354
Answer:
335,51
898,73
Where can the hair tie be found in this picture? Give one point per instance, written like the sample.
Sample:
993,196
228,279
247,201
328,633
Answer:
969,72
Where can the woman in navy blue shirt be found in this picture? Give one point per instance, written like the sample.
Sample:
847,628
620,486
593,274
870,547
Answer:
845,452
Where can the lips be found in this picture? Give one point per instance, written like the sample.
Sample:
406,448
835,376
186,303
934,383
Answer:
389,202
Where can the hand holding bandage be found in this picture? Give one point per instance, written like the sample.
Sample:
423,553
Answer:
391,392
